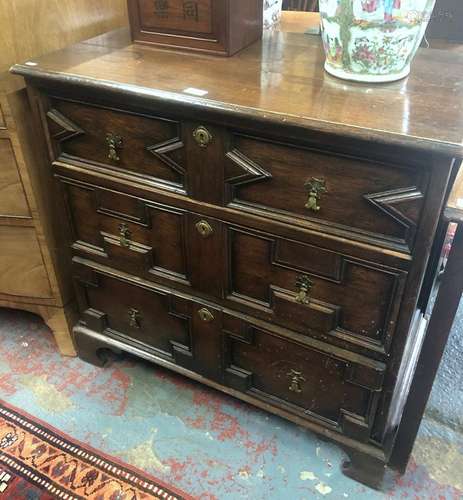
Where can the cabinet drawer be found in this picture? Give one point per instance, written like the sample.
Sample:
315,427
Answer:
144,238
312,290
304,376
153,318
127,144
13,201
363,200
284,371
304,287
350,197
22,270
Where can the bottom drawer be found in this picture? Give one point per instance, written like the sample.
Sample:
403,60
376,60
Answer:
168,326
309,378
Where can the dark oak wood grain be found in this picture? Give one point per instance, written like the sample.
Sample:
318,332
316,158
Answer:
275,237
423,111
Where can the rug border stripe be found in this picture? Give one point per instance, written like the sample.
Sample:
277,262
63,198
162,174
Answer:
77,448
20,469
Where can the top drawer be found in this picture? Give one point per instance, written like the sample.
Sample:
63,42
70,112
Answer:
148,148
367,201
291,184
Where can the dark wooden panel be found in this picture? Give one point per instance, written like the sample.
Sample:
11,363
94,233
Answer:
446,21
306,377
259,276
370,200
259,279
306,380
172,327
221,27
206,252
174,15
131,234
149,148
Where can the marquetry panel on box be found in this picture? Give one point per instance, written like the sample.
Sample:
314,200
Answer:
372,202
177,15
220,27
148,149
13,201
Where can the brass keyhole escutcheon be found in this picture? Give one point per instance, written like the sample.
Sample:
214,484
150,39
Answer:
202,137
124,235
134,318
204,229
296,381
304,285
206,315
114,143
316,188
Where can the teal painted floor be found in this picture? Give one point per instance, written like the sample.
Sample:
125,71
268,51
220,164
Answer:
203,442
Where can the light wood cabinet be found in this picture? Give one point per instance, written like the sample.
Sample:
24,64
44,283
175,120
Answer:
30,271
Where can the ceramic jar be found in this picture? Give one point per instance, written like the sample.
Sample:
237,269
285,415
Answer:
272,13
372,40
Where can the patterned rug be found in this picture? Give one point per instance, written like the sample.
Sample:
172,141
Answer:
39,462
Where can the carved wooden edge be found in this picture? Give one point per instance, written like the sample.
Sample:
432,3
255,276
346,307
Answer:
93,348
368,470
60,320
439,327
42,77
52,233
454,210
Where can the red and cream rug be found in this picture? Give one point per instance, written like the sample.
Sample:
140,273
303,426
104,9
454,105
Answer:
37,461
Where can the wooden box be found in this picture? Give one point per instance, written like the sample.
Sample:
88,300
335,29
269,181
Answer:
221,27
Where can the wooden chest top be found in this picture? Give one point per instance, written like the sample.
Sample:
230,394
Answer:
279,80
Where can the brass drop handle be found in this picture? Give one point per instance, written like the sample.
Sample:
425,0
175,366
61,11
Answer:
304,285
316,188
134,318
124,235
206,315
114,143
204,229
202,136
296,381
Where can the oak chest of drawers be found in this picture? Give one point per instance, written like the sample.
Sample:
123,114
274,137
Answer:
268,238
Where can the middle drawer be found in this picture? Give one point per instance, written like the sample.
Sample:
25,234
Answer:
307,288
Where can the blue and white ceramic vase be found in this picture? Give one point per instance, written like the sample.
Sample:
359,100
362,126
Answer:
373,40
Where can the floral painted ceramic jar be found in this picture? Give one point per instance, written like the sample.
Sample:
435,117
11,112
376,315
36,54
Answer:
372,40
